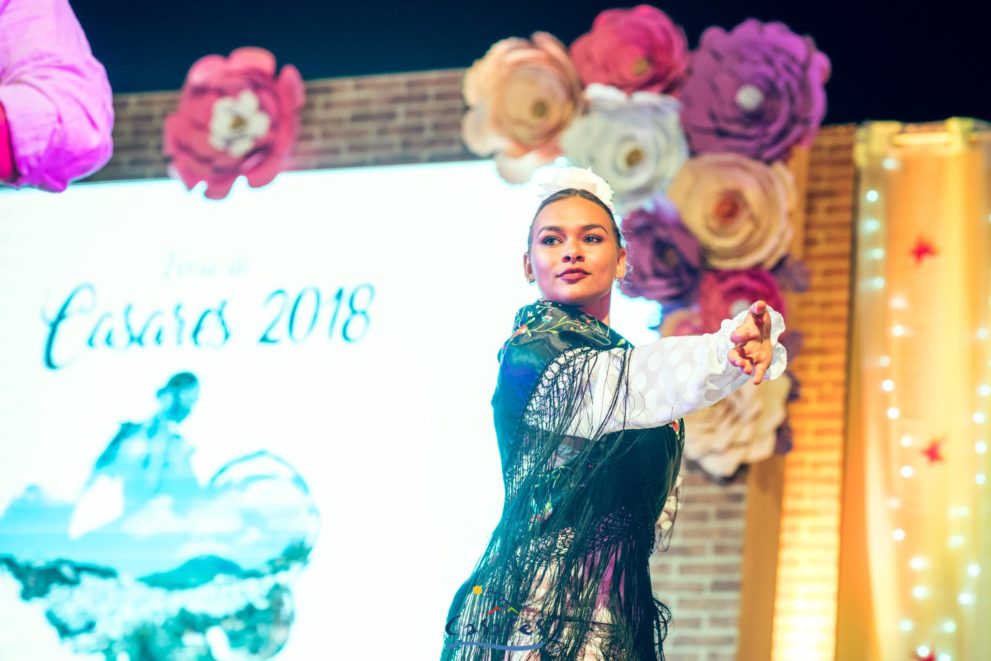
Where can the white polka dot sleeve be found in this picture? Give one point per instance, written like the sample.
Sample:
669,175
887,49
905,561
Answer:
668,379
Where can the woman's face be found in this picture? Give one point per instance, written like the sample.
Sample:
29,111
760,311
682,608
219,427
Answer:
574,254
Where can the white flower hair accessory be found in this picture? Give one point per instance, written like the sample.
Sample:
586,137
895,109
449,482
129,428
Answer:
549,180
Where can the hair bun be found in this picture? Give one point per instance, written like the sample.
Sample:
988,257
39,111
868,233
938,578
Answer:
550,179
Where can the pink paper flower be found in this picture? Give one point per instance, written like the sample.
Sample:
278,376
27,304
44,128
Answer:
756,91
681,321
521,95
235,117
724,294
638,49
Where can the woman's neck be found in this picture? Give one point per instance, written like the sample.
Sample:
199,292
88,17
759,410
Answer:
598,309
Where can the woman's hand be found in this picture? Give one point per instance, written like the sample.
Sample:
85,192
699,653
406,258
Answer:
753,350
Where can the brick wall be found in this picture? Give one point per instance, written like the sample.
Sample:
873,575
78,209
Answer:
346,122
808,556
416,117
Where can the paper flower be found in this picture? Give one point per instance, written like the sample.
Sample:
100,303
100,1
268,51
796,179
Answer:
681,321
792,274
756,91
669,513
235,117
724,294
551,179
737,207
664,256
740,429
634,141
521,95
633,49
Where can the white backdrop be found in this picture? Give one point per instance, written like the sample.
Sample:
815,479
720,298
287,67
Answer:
392,430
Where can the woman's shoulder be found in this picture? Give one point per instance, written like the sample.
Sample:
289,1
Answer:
550,327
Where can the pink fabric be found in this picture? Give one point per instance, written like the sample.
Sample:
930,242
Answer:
6,154
57,98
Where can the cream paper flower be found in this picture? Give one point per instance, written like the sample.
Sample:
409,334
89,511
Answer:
738,208
237,123
739,429
634,141
664,523
521,95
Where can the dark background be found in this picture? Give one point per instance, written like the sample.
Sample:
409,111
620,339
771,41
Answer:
908,61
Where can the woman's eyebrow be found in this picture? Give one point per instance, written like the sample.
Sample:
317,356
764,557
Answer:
555,228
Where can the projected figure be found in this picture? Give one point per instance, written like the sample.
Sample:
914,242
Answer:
148,561
591,436
148,459
56,110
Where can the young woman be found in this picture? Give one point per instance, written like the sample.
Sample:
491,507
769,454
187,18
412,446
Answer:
590,437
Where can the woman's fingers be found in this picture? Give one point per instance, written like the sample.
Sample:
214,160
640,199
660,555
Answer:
759,372
743,336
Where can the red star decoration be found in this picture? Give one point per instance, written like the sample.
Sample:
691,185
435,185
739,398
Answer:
922,250
930,657
932,452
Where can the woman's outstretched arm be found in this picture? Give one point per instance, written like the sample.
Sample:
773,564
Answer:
673,376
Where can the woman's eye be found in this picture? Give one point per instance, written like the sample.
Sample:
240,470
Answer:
594,238
549,240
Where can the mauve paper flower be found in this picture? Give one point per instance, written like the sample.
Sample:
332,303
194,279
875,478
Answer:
792,339
633,49
634,142
235,117
783,441
521,95
681,321
755,91
738,429
792,274
724,294
738,208
664,257
796,387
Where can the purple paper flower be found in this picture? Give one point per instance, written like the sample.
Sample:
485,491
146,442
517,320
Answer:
756,91
664,256
723,294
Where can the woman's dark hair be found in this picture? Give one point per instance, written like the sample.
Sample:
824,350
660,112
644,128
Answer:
575,192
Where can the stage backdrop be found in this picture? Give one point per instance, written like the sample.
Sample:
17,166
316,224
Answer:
247,428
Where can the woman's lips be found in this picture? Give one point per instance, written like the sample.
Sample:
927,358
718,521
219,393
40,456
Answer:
573,276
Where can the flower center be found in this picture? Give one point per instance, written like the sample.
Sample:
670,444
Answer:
670,257
641,66
238,122
633,157
728,207
749,97
539,108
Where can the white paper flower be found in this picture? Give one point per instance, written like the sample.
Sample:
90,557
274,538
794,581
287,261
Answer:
740,429
634,141
237,123
549,180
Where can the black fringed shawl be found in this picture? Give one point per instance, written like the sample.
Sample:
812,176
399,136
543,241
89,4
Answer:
571,504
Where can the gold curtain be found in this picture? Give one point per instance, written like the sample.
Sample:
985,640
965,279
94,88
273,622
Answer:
915,571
